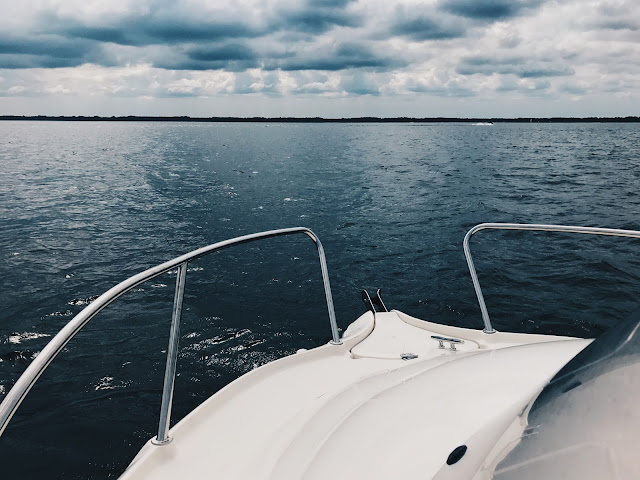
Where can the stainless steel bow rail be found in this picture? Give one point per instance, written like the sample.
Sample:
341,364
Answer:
614,232
50,351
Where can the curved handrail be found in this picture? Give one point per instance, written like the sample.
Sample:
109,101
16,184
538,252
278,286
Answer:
488,328
29,377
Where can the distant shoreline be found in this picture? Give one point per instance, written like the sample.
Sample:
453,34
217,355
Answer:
132,118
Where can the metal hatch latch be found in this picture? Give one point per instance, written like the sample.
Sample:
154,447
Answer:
408,356
451,341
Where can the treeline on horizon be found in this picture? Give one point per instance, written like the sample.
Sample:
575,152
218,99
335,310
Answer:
134,118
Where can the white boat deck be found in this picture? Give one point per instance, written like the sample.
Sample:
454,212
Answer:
343,411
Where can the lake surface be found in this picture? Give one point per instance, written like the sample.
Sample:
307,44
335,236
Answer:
83,206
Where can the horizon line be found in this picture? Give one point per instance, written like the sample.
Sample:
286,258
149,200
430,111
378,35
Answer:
365,119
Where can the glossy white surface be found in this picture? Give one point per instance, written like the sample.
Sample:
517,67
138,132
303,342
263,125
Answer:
357,410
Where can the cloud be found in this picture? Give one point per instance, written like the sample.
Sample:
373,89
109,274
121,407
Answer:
520,66
206,38
478,51
423,28
138,81
150,30
491,10
309,82
39,61
616,16
257,81
573,89
230,51
348,55
317,20
451,90
47,51
330,3
524,86
227,56
421,24
618,24
432,82
167,23
537,72
360,83
238,57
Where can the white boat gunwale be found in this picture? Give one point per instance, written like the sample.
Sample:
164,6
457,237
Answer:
358,332
29,377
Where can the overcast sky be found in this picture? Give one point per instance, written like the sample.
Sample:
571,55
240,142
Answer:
330,58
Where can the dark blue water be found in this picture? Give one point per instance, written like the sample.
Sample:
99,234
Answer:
85,205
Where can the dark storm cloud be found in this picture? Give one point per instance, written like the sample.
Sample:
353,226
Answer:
317,20
163,26
451,19
424,28
316,16
490,10
37,61
42,46
234,57
237,57
141,31
519,66
170,31
190,64
231,51
344,56
47,51
190,39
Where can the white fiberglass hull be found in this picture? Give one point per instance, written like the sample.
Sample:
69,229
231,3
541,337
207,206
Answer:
358,410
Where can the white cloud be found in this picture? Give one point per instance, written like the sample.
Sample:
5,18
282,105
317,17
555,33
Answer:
557,53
